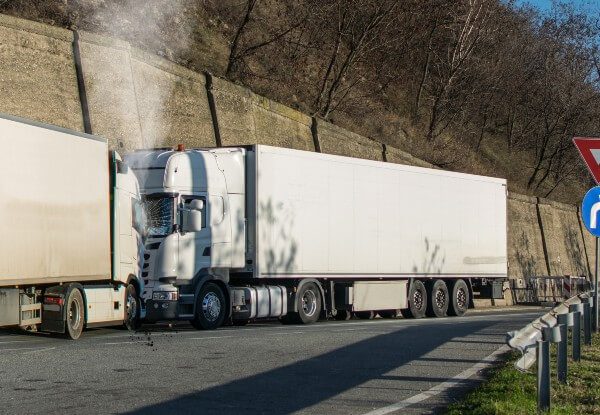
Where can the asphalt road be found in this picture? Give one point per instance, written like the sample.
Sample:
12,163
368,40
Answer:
333,367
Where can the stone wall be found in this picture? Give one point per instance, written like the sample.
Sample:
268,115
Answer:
135,100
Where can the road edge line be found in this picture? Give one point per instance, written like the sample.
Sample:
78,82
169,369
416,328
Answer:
436,390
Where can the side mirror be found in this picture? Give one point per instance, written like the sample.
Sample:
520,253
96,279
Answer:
192,216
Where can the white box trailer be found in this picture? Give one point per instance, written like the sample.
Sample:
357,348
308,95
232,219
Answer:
340,217
242,232
66,206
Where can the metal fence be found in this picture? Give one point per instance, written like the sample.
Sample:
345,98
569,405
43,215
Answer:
547,289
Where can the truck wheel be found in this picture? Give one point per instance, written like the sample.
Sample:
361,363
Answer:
437,291
460,298
388,313
365,315
210,308
417,301
308,303
343,315
132,309
75,315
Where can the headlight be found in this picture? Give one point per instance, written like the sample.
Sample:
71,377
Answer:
165,295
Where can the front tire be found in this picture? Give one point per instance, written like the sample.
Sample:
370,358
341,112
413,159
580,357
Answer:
75,315
417,301
211,307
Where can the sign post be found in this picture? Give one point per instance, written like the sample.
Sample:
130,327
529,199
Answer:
589,148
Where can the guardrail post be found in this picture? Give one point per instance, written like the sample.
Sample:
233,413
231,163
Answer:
587,319
562,352
575,309
543,375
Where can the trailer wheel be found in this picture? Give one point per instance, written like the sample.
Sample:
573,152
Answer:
75,315
343,315
388,313
210,307
132,308
460,298
437,291
417,301
365,315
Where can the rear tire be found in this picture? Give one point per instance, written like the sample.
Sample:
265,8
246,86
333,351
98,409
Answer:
459,294
437,291
211,308
132,309
75,315
417,301
308,304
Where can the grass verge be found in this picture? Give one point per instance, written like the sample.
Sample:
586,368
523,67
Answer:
509,392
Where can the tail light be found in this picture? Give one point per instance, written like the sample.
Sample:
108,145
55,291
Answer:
54,300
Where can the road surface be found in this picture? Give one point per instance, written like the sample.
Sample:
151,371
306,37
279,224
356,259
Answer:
355,367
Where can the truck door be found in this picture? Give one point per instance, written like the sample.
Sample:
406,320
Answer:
194,247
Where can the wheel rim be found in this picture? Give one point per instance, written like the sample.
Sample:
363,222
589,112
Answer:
440,299
461,298
74,315
309,303
211,306
418,299
131,308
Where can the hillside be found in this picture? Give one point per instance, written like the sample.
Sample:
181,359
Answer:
474,86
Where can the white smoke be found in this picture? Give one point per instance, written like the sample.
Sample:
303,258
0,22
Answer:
159,27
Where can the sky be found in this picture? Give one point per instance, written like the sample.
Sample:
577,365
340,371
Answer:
593,6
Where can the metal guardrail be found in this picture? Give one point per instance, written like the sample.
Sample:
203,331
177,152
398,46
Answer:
534,341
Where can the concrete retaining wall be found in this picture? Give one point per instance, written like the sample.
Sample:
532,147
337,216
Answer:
525,239
247,118
37,73
138,100
563,238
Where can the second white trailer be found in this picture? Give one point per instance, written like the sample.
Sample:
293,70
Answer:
322,215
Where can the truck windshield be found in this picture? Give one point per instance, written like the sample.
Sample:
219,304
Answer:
160,215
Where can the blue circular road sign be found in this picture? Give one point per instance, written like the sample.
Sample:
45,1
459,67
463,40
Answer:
590,211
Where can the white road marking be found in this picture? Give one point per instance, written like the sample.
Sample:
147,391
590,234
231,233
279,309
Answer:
40,350
112,344
436,390
207,338
20,348
18,341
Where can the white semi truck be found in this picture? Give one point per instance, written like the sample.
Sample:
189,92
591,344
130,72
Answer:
240,233
71,220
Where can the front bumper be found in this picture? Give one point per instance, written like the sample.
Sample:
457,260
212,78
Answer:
161,310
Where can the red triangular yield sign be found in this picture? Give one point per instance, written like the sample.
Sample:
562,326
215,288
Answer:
589,148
